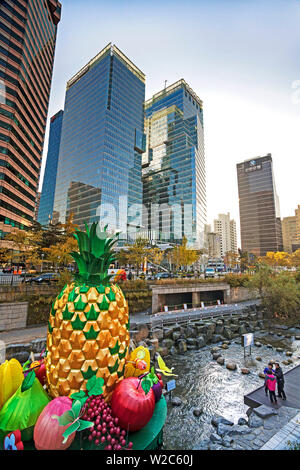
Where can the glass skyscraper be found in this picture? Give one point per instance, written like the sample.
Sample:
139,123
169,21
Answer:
47,197
174,181
259,206
99,168
28,31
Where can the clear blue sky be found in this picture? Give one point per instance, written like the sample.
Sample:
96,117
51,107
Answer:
240,56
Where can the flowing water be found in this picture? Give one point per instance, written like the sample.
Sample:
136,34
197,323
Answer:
203,383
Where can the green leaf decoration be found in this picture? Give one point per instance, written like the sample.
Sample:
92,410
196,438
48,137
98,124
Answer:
84,425
114,368
80,305
104,304
28,381
92,315
128,325
66,314
26,365
79,396
65,418
50,328
72,296
121,373
95,255
152,376
111,296
73,428
89,373
75,410
115,349
146,384
100,289
53,311
84,289
94,386
122,355
91,334
77,324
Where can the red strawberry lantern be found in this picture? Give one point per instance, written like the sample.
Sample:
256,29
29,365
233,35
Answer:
133,403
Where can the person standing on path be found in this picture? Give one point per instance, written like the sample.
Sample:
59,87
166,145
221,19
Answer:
280,381
271,384
266,371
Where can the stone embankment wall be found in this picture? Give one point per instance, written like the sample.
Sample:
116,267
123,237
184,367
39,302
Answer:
193,335
13,315
240,294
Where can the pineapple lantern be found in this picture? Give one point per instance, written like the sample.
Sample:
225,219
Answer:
88,330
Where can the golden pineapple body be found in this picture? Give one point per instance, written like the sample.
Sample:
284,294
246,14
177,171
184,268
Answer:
88,334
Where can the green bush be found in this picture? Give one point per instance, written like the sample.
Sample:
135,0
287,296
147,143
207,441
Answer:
237,280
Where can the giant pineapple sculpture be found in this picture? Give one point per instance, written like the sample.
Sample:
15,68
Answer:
88,330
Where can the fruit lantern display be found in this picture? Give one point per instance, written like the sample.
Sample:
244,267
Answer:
89,322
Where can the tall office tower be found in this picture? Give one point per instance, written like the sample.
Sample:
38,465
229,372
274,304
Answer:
99,167
47,198
28,31
37,205
291,232
259,206
174,181
226,229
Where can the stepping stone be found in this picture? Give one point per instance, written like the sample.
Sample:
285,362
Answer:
264,411
289,353
258,358
231,366
245,370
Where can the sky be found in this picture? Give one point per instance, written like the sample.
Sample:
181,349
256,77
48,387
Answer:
241,57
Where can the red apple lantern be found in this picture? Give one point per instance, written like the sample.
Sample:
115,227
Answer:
48,434
132,405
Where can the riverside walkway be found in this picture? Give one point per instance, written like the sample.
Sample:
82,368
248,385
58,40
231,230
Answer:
291,387
192,313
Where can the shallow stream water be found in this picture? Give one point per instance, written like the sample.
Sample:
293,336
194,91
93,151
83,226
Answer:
203,383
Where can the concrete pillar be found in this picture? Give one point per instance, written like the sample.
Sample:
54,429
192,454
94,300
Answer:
196,299
154,303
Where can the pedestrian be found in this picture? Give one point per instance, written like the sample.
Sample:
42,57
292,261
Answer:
266,371
129,276
271,385
280,381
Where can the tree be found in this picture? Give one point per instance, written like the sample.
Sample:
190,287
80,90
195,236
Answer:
295,258
231,259
279,292
244,260
181,255
137,252
278,258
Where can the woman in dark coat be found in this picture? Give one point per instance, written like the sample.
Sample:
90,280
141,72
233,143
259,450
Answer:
280,381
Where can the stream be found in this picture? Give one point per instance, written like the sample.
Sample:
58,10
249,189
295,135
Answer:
203,383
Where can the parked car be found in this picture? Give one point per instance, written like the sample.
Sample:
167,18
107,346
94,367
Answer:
46,278
163,275
209,272
7,270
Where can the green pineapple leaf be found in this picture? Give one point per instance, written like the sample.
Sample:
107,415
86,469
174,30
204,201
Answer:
94,386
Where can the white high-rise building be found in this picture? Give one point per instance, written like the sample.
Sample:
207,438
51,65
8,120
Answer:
226,229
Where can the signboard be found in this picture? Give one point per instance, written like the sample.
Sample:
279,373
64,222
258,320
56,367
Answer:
202,304
185,306
171,385
219,302
166,308
248,340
